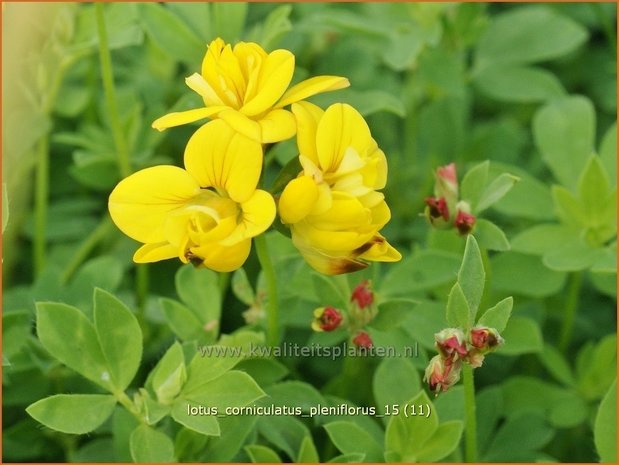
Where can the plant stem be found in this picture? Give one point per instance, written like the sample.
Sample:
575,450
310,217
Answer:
40,201
85,248
141,287
273,333
470,412
571,305
124,400
107,75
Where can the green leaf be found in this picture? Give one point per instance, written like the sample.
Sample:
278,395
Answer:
518,84
197,15
542,238
308,452
350,438
595,368
522,336
285,432
262,454
495,191
217,392
556,365
605,429
203,424
171,34
73,414
564,132
242,288
472,276
276,25
608,153
293,394
205,367
529,35
265,371
516,273
572,256
229,20
120,337
16,328
498,316
348,458
149,445
395,381
71,338
199,290
366,102
519,435
5,207
181,320
599,202
458,310
474,183
442,443
406,437
490,236
169,375
328,292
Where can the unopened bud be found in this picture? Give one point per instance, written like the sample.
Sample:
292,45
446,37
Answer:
464,222
485,339
437,210
451,343
447,181
475,358
362,295
363,340
326,319
442,373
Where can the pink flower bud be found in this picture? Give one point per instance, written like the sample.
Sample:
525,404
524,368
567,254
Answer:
447,183
363,340
362,295
442,373
485,339
436,208
464,222
326,319
451,344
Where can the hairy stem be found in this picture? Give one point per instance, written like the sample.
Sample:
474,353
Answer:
571,305
107,75
470,412
273,332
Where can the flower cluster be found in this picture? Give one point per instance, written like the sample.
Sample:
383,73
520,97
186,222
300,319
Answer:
454,348
361,310
207,213
444,210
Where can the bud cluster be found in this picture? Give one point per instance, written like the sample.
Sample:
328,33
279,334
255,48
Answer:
361,311
455,348
444,209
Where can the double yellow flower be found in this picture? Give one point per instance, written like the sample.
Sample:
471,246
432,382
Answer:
208,212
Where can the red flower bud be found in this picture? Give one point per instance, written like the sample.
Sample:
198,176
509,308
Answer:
464,222
448,174
326,319
447,183
437,208
485,339
442,373
362,295
451,344
363,340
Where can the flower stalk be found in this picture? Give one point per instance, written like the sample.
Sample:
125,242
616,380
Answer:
470,412
262,250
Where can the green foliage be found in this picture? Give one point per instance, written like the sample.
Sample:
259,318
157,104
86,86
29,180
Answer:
521,97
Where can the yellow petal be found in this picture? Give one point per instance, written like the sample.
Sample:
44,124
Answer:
307,115
298,199
221,258
346,213
149,253
276,126
257,215
199,85
332,241
381,251
140,203
242,124
217,156
274,78
341,127
375,171
331,264
312,86
184,117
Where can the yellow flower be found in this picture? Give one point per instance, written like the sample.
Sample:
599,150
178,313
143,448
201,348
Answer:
205,214
246,87
333,208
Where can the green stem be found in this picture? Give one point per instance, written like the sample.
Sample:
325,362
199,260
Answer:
141,287
273,333
571,305
85,248
40,205
470,412
107,75
124,400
